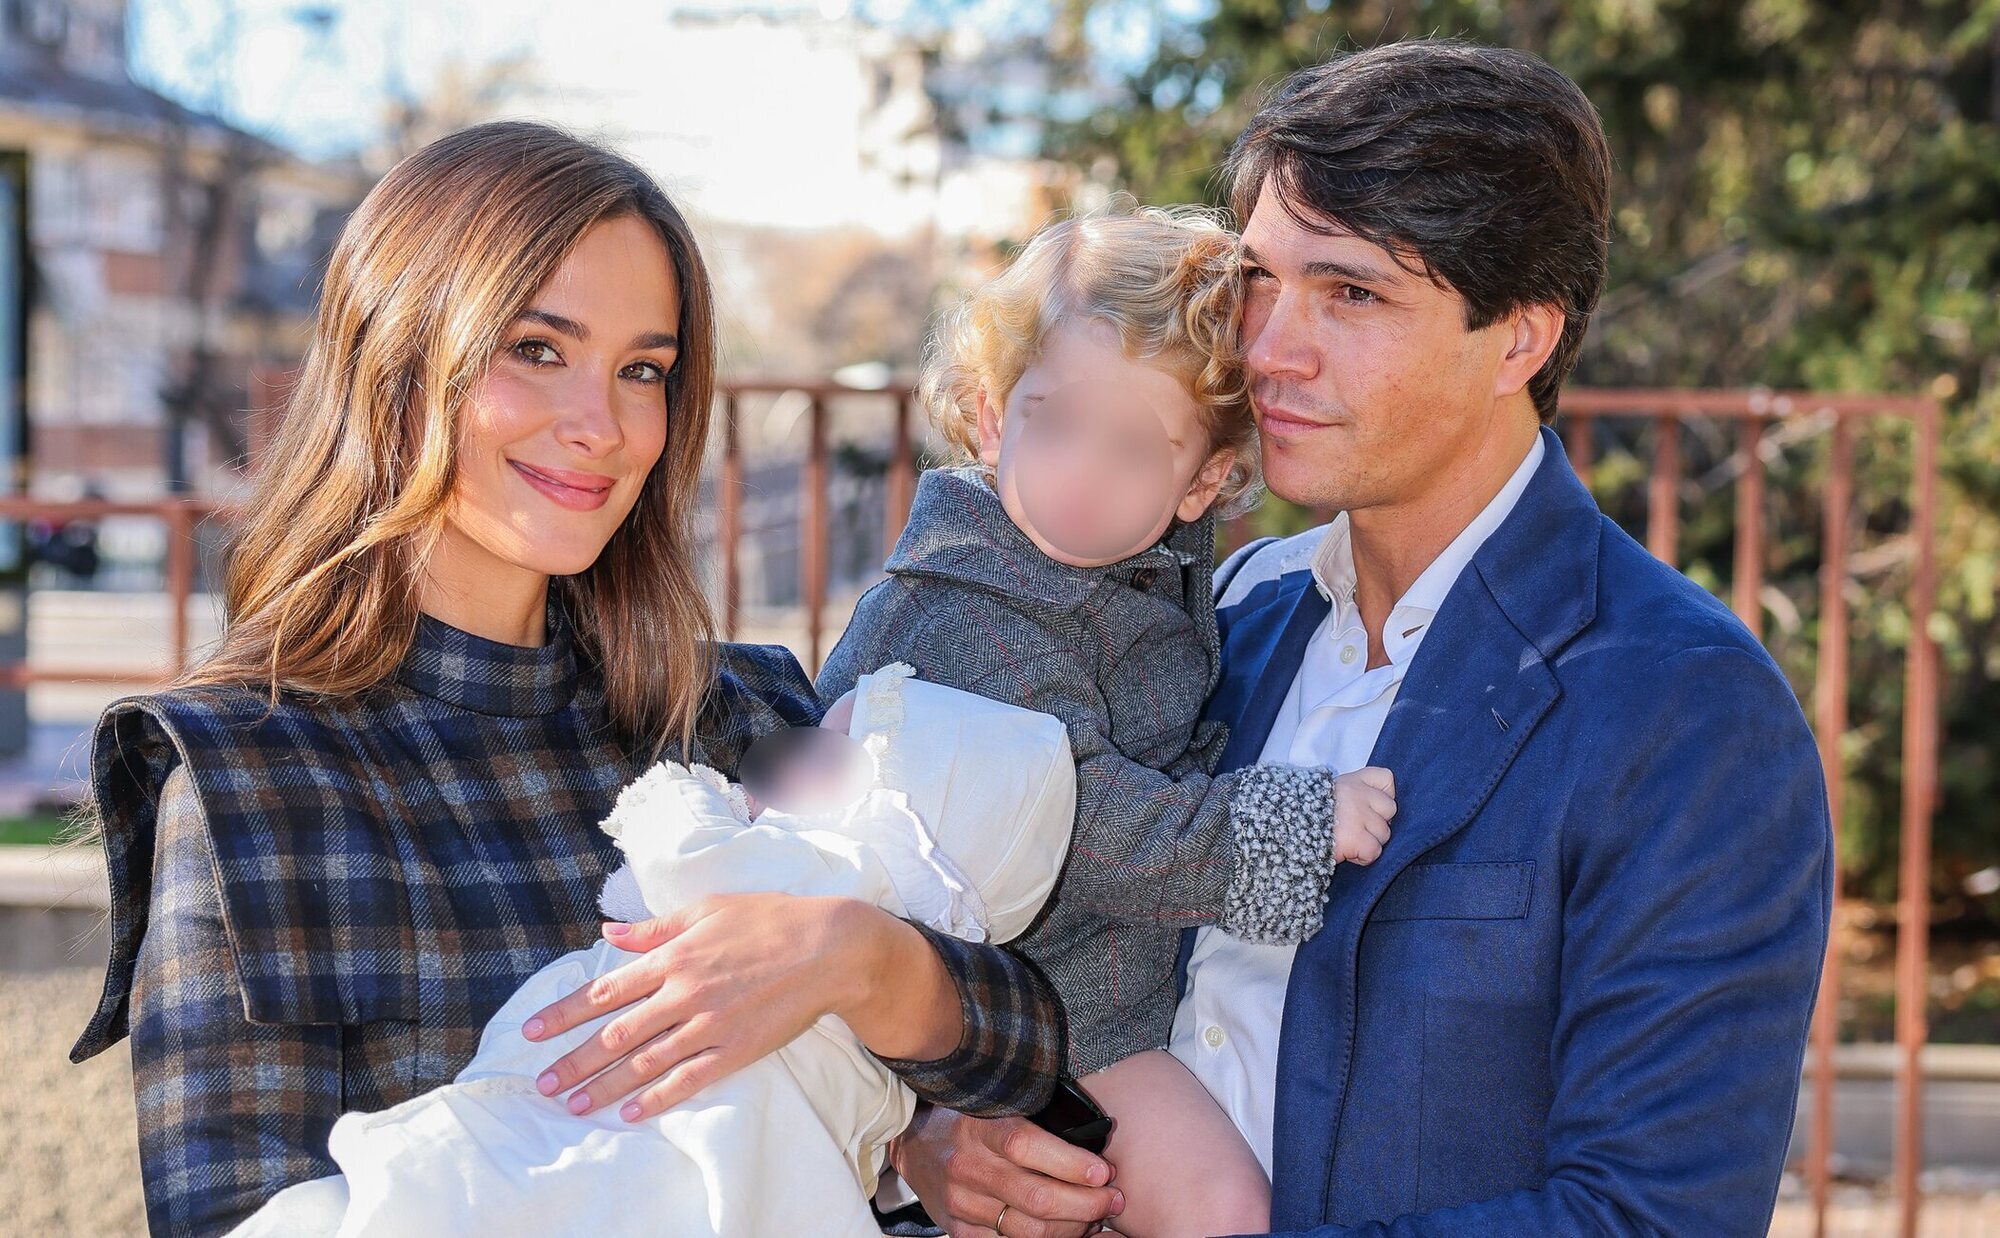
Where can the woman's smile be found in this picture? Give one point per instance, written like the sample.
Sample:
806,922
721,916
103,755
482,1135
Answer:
583,492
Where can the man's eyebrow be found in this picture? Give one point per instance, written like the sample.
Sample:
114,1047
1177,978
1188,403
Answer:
577,331
1327,268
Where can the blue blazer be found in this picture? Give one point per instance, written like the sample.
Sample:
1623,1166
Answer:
1573,994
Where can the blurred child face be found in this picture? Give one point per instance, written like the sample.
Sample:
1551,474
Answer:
1095,454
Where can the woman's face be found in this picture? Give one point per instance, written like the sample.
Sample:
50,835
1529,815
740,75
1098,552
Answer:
556,441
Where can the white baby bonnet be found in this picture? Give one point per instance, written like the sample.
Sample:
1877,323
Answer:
993,785
967,816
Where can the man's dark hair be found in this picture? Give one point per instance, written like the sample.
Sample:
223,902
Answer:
1480,167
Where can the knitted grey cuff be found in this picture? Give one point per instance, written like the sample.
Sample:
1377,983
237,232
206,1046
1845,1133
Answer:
1283,819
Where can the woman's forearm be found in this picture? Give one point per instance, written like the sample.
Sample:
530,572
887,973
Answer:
899,999
968,1026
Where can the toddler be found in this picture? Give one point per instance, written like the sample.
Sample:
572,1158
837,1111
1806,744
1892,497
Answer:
1095,392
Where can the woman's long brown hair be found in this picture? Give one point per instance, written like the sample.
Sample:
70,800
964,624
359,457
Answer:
437,262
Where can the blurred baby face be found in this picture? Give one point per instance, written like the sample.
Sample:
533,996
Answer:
1096,454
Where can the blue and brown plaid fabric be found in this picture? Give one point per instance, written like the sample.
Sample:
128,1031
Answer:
1012,1050
316,909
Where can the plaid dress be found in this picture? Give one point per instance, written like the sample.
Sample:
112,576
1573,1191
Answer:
316,909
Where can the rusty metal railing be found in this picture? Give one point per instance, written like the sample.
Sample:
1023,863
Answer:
1753,412
180,517
902,477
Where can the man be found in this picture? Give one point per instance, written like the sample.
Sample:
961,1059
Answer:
1572,996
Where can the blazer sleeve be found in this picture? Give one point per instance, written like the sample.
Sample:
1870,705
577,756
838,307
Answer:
1695,926
230,1111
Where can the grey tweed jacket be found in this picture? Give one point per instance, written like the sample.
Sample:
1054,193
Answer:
1125,656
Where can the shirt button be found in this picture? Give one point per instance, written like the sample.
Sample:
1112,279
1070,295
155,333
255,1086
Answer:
1213,1036
1347,655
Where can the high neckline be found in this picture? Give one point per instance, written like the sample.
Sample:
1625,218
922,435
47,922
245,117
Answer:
488,676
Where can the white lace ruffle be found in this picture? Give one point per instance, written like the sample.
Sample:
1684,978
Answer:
932,888
639,807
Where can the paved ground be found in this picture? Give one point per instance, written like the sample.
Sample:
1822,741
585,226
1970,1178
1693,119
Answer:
1966,1211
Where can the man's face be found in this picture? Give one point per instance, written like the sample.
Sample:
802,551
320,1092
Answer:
1369,389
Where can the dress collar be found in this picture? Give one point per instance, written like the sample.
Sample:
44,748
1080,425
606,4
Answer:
489,677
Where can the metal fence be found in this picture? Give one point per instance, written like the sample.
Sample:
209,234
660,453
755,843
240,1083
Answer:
1751,412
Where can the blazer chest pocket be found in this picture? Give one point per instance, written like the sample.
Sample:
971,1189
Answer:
1481,891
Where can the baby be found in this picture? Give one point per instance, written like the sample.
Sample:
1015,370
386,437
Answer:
959,818
1095,391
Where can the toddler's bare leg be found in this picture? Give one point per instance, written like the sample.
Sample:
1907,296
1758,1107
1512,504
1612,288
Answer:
1181,1163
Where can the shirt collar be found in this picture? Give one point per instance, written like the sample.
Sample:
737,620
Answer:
1409,620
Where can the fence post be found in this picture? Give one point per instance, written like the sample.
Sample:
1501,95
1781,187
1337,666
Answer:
1830,718
1920,707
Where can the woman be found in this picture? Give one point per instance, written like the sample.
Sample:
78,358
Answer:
462,612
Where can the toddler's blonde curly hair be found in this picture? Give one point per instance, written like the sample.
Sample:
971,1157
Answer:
1166,279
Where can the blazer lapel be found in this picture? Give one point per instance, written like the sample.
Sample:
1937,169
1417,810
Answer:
1262,648
1479,686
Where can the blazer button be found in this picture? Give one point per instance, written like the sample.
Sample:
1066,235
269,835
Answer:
1143,579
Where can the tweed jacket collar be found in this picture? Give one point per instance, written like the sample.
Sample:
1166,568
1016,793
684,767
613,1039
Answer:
959,531
488,677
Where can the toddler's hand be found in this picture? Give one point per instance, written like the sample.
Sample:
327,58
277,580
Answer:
1364,802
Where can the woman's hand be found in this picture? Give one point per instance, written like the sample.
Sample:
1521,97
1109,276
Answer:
964,1169
732,978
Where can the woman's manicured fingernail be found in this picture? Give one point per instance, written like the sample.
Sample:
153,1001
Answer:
548,1083
533,1029
617,930
1117,1202
630,1112
1096,1175
579,1103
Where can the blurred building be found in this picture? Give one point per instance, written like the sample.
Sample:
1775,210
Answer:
158,266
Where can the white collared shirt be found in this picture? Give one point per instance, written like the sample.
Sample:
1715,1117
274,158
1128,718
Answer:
1226,1030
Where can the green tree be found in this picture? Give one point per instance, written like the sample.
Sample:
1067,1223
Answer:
1807,195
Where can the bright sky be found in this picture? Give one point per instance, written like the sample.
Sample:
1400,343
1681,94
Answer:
316,74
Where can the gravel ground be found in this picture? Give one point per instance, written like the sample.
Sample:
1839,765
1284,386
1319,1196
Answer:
71,1162
72,1157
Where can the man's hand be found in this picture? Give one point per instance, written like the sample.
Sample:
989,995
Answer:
1364,803
964,1169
